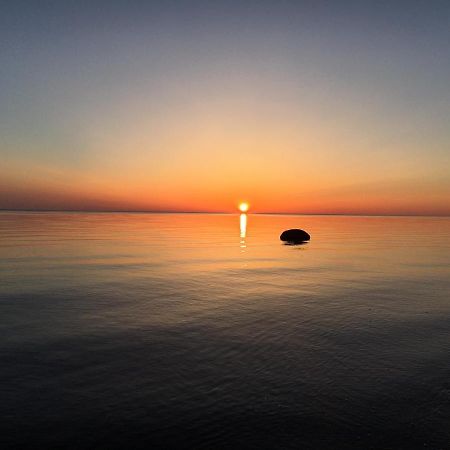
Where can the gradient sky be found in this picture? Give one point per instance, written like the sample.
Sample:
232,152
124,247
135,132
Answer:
310,107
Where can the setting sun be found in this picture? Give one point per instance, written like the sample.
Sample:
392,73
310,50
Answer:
243,207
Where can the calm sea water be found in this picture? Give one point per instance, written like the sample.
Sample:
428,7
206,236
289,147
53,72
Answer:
127,331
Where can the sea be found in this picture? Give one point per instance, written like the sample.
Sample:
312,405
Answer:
205,331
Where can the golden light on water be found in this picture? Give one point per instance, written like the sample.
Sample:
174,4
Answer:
243,207
243,226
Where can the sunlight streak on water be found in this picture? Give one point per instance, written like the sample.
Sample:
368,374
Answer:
243,230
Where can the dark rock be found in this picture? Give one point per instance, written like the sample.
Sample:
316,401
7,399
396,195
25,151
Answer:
295,236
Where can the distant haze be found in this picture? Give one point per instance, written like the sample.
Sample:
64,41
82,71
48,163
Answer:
308,107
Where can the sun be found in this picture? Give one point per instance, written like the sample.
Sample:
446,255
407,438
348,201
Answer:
243,207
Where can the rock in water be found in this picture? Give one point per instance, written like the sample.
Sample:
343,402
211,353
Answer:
295,235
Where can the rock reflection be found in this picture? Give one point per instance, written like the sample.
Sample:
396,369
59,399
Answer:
295,243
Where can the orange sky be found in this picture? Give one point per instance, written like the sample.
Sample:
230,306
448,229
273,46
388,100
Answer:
294,111
275,189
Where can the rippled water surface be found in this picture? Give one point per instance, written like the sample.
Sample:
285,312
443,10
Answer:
205,331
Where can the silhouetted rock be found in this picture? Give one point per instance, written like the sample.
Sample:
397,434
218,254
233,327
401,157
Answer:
295,236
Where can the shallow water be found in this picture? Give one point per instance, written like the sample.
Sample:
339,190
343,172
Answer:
206,332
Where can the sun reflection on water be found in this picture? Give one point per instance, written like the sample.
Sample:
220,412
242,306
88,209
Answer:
243,229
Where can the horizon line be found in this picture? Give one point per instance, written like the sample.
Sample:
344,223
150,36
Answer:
137,211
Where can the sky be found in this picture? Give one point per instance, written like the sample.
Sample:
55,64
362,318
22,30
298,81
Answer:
338,107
